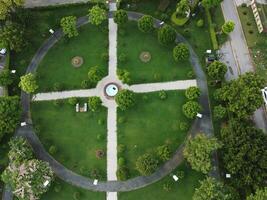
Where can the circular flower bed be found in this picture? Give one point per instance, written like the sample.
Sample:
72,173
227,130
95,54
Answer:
77,61
145,56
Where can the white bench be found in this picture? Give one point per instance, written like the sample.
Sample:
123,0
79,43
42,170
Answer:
95,182
199,115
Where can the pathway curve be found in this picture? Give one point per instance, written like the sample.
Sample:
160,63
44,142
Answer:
199,125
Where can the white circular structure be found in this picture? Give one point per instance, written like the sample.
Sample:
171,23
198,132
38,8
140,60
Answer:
111,90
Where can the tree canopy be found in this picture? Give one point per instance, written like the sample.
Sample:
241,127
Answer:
94,103
192,93
97,15
166,35
125,99
217,70
191,108
261,194
5,78
121,17
95,74
145,23
68,25
228,27
198,151
146,164
6,7
181,52
28,83
10,111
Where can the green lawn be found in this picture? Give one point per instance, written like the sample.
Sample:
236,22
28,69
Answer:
56,66
74,134
161,67
61,190
151,123
41,20
182,190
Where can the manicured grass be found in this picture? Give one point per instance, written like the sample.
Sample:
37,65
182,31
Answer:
56,66
74,134
41,20
161,67
151,123
67,192
182,190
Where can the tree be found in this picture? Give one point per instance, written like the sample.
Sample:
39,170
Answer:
28,179
125,99
166,35
122,173
5,78
7,6
20,150
217,70
210,189
124,75
181,52
192,93
10,111
145,24
164,152
183,8
244,154
28,83
95,74
121,17
94,103
261,194
228,27
73,101
191,108
12,36
198,151
68,25
146,164
211,3
219,112
243,95
97,15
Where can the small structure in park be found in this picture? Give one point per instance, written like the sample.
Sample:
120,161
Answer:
81,108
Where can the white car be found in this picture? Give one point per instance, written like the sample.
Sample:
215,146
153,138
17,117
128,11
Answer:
264,95
3,51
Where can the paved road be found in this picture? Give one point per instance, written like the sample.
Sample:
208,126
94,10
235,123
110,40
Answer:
241,55
44,3
199,125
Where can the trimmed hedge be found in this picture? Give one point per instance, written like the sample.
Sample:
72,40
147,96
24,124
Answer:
179,21
212,31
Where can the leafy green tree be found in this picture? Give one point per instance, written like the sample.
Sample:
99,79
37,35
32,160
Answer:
166,35
124,76
244,155
121,17
261,194
20,150
228,27
211,189
211,3
145,24
94,103
181,52
192,93
125,99
10,111
12,36
68,25
5,78
164,152
97,15
8,6
243,95
191,108
183,8
122,173
217,70
73,101
95,74
198,151
28,83
146,164
28,179
219,112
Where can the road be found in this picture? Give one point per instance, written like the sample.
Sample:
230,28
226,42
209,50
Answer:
238,53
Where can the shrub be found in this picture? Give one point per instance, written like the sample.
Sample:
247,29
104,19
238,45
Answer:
164,152
57,102
58,87
162,95
192,93
85,84
68,25
145,24
167,186
52,150
122,173
28,83
166,35
125,99
120,17
200,23
217,70
184,126
181,52
95,74
105,56
121,161
121,148
122,58
94,103
95,174
219,112
191,108
124,75
97,15
228,27
146,164
5,78
191,74
180,174
73,101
